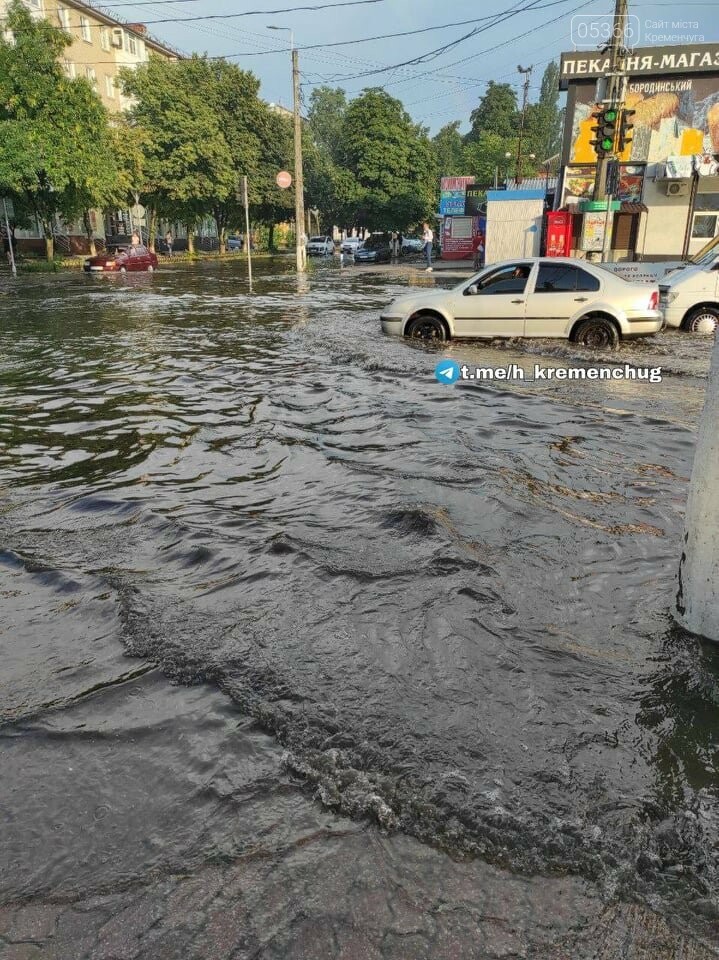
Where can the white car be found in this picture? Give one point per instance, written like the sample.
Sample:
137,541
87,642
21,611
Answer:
689,295
412,245
351,245
531,297
320,246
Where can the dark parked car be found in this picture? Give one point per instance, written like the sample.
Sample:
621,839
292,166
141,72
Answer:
376,249
121,260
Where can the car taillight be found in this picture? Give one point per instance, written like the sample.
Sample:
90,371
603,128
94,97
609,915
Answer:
654,300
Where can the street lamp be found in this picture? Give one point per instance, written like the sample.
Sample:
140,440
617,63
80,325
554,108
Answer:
300,250
507,157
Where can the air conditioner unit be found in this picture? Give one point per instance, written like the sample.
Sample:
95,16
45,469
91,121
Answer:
677,188
117,37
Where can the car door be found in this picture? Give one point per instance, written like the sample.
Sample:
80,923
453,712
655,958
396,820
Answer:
560,290
493,304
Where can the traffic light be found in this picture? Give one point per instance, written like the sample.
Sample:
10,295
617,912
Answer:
624,127
606,131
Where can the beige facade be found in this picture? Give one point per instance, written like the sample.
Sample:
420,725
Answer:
101,45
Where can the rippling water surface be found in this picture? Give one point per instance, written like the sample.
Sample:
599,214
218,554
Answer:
449,606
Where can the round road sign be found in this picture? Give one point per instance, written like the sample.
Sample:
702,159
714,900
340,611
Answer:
283,179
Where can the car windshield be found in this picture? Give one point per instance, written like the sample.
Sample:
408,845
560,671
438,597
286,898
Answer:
317,239
374,243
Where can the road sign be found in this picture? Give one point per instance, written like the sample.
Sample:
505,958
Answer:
283,180
138,212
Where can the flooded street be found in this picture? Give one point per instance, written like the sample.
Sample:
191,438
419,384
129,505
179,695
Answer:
306,655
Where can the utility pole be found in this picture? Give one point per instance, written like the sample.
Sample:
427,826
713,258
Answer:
299,179
248,236
527,71
697,602
614,91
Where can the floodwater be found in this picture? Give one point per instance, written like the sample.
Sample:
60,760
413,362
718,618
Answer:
305,655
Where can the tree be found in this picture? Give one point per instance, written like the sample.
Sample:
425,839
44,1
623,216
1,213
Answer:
497,113
56,153
544,118
485,156
448,150
188,165
391,160
325,118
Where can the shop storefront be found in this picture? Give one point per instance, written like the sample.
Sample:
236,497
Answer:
669,182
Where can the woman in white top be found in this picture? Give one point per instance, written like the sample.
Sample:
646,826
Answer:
428,238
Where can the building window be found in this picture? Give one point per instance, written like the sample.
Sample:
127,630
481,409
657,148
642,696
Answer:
705,222
704,226
63,15
34,4
91,76
110,87
85,29
130,45
69,68
105,38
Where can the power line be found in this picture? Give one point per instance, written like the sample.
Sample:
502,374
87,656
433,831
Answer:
260,13
500,17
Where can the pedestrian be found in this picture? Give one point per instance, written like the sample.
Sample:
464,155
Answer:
168,241
400,239
428,238
478,244
135,242
395,251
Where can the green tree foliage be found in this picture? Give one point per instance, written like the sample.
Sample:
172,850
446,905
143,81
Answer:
449,150
496,113
56,153
325,117
544,118
486,155
392,161
188,165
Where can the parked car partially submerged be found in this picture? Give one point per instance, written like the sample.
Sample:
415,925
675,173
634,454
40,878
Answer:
320,246
531,297
351,245
122,259
376,249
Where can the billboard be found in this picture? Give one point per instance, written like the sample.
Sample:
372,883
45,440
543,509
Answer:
452,195
579,182
678,116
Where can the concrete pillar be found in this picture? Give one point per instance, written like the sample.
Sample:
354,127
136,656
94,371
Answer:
697,600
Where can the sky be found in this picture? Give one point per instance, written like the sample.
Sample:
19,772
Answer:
444,88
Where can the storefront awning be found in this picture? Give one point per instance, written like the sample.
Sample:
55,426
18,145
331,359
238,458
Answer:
633,208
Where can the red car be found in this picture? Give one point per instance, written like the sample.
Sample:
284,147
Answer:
121,260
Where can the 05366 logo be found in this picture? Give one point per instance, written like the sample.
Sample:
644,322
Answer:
592,31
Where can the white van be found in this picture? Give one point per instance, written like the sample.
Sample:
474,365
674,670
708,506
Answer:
689,295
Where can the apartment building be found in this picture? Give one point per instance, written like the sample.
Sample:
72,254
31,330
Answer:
101,44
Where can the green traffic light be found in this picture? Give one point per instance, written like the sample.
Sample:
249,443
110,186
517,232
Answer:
610,115
607,144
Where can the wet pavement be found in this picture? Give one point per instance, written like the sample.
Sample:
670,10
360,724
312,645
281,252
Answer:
305,655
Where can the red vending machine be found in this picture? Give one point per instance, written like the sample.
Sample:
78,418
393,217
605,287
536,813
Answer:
559,234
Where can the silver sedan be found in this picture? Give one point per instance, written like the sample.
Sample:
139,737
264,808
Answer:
531,297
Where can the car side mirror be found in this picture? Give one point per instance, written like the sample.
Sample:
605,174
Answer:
472,290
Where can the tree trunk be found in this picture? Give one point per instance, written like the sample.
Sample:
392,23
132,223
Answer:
152,231
190,239
271,237
222,237
49,241
88,232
